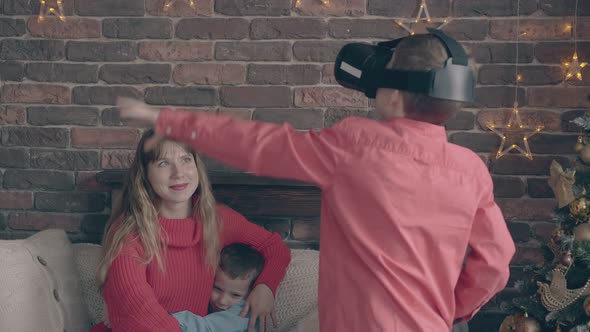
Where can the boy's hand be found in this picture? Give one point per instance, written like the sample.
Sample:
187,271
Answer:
139,114
262,303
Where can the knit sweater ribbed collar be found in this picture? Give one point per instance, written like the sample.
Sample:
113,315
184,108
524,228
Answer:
185,232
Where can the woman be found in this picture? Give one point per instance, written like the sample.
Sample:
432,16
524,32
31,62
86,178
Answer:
161,249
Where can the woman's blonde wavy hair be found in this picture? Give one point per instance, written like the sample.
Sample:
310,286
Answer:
137,216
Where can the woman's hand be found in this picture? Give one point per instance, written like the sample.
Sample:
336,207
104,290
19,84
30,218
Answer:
262,303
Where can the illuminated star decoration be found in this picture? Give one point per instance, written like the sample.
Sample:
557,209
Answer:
47,10
169,3
423,16
324,2
515,128
574,68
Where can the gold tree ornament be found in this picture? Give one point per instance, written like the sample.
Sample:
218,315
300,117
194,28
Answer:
515,135
48,10
423,15
556,295
169,3
562,184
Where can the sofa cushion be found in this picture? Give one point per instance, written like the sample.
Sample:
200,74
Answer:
296,295
40,287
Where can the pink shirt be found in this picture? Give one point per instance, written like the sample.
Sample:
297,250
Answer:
400,206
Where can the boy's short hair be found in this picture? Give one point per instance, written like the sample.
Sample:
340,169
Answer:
240,260
424,53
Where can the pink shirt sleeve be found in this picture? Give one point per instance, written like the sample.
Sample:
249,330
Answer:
486,269
257,147
131,303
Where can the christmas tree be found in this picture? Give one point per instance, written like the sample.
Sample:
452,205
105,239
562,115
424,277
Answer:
556,295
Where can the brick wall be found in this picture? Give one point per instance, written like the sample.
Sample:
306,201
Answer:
263,60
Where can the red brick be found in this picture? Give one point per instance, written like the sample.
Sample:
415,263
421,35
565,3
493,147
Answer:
543,231
329,96
32,179
299,118
288,28
117,159
298,74
176,50
526,255
59,115
550,120
64,159
508,186
86,181
181,96
335,8
253,51
346,28
209,74
72,28
476,141
499,52
35,94
564,7
213,28
493,8
539,188
70,202
105,137
103,95
528,209
467,29
137,28
531,75
560,97
498,96
16,200
328,74
10,27
135,73
518,165
110,8
238,113
14,158
249,8
520,231
317,51
33,136
179,8
306,230
98,51
31,221
12,115
271,96
559,52
531,29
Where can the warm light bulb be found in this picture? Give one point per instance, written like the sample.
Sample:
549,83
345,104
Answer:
519,77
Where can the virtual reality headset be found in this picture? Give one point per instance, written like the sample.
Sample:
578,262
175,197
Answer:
361,67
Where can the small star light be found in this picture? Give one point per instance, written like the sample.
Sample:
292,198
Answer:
169,3
515,132
324,2
47,10
423,15
573,69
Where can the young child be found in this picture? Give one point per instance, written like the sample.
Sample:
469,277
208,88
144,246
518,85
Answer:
239,266
400,204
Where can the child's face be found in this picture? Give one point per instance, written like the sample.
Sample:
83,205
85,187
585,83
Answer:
226,291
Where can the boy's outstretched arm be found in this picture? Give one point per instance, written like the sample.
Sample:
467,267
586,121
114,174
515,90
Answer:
486,269
257,147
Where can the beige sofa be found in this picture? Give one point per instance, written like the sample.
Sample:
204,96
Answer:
48,284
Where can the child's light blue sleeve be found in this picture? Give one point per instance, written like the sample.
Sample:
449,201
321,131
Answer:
222,321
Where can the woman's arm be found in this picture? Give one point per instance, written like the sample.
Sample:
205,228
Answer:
131,303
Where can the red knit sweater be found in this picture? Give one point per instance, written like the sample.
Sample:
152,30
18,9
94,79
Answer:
139,296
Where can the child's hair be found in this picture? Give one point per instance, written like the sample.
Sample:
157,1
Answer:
240,260
423,53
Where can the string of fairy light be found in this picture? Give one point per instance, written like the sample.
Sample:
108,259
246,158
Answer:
573,69
515,125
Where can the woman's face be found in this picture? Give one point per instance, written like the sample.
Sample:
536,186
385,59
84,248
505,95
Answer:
174,175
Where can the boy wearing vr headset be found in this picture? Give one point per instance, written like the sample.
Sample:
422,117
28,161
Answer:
400,205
